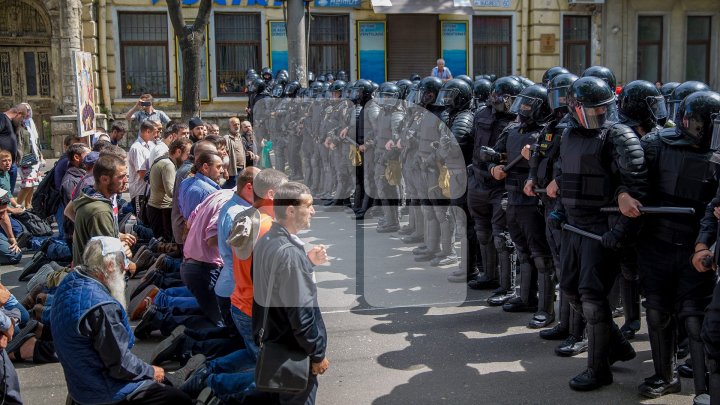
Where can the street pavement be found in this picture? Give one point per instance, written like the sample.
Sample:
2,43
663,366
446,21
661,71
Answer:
415,339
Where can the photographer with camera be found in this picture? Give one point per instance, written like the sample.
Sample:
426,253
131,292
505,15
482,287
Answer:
143,110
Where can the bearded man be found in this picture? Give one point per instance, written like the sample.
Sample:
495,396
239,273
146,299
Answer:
93,337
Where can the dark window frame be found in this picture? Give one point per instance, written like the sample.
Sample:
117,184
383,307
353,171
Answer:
222,42
567,43
506,44
319,44
707,42
660,43
123,43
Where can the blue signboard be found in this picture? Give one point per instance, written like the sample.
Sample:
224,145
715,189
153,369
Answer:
278,46
454,42
337,3
371,51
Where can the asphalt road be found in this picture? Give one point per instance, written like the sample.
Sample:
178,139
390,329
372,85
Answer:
423,341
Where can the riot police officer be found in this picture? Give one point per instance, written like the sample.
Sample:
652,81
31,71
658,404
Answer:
601,163
601,72
481,92
387,167
361,94
524,220
339,124
552,73
681,174
485,194
679,93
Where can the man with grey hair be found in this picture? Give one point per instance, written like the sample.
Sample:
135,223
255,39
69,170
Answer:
93,337
441,72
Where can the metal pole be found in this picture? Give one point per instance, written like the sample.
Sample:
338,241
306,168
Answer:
297,61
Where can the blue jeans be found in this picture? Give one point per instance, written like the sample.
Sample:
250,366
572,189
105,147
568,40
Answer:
244,326
14,303
176,297
59,219
172,264
200,278
6,256
232,374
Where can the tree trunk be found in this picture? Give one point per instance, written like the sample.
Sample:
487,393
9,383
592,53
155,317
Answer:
190,40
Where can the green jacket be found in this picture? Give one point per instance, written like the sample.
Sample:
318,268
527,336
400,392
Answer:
93,217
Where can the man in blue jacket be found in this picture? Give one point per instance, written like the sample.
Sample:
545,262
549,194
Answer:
93,337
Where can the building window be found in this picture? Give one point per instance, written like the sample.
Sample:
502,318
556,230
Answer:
329,44
576,43
144,54
492,45
697,59
649,48
237,49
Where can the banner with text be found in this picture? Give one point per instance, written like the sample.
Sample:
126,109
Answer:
372,51
454,42
278,46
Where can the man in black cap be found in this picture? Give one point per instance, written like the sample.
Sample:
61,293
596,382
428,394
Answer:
198,130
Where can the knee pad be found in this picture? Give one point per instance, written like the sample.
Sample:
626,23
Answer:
656,319
595,313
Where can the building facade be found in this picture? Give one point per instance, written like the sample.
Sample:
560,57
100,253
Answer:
135,52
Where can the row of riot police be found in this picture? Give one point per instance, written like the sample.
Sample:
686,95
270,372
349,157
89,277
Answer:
562,181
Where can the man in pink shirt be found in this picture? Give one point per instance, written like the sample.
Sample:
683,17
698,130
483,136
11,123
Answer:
202,261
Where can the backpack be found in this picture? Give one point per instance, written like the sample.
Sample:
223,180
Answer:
35,225
47,199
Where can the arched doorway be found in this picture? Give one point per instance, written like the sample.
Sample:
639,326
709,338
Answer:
25,57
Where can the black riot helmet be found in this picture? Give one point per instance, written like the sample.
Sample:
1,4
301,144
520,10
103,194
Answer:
342,75
525,81
329,77
640,103
316,89
405,86
388,94
531,105
282,72
266,74
361,91
415,78
335,90
466,79
282,79
492,77
592,102
347,91
321,78
277,90
257,86
427,91
602,72
679,94
250,72
292,88
251,78
696,116
558,88
455,94
481,90
667,89
503,93
487,77
552,73
375,87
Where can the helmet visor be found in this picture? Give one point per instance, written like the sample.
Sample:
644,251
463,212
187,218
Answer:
446,97
657,107
524,106
594,117
412,96
672,108
425,97
715,142
387,98
557,97
501,102
694,125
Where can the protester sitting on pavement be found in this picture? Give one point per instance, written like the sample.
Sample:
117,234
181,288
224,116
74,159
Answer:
10,231
93,337
96,213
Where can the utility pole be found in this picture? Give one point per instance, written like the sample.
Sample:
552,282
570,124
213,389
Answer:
297,53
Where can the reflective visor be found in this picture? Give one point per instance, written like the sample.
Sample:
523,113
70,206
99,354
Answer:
412,96
501,102
672,107
524,106
387,98
657,107
694,125
594,117
557,97
715,142
446,97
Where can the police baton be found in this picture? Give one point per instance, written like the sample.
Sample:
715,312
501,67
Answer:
350,141
656,210
538,190
581,232
514,162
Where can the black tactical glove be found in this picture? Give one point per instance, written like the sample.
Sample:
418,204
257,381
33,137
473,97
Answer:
612,239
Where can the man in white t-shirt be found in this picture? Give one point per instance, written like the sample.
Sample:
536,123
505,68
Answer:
441,72
139,164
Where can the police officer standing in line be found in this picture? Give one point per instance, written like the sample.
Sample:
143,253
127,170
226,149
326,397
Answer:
601,164
485,194
525,221
386,156
361,94
680,174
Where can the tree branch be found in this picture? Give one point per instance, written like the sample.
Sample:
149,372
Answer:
203,16
176,17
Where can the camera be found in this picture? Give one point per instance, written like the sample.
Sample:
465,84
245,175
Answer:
145,103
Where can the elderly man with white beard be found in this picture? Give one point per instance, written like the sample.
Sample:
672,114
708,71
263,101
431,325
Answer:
93,337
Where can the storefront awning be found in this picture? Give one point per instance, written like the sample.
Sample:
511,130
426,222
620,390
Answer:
419,7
